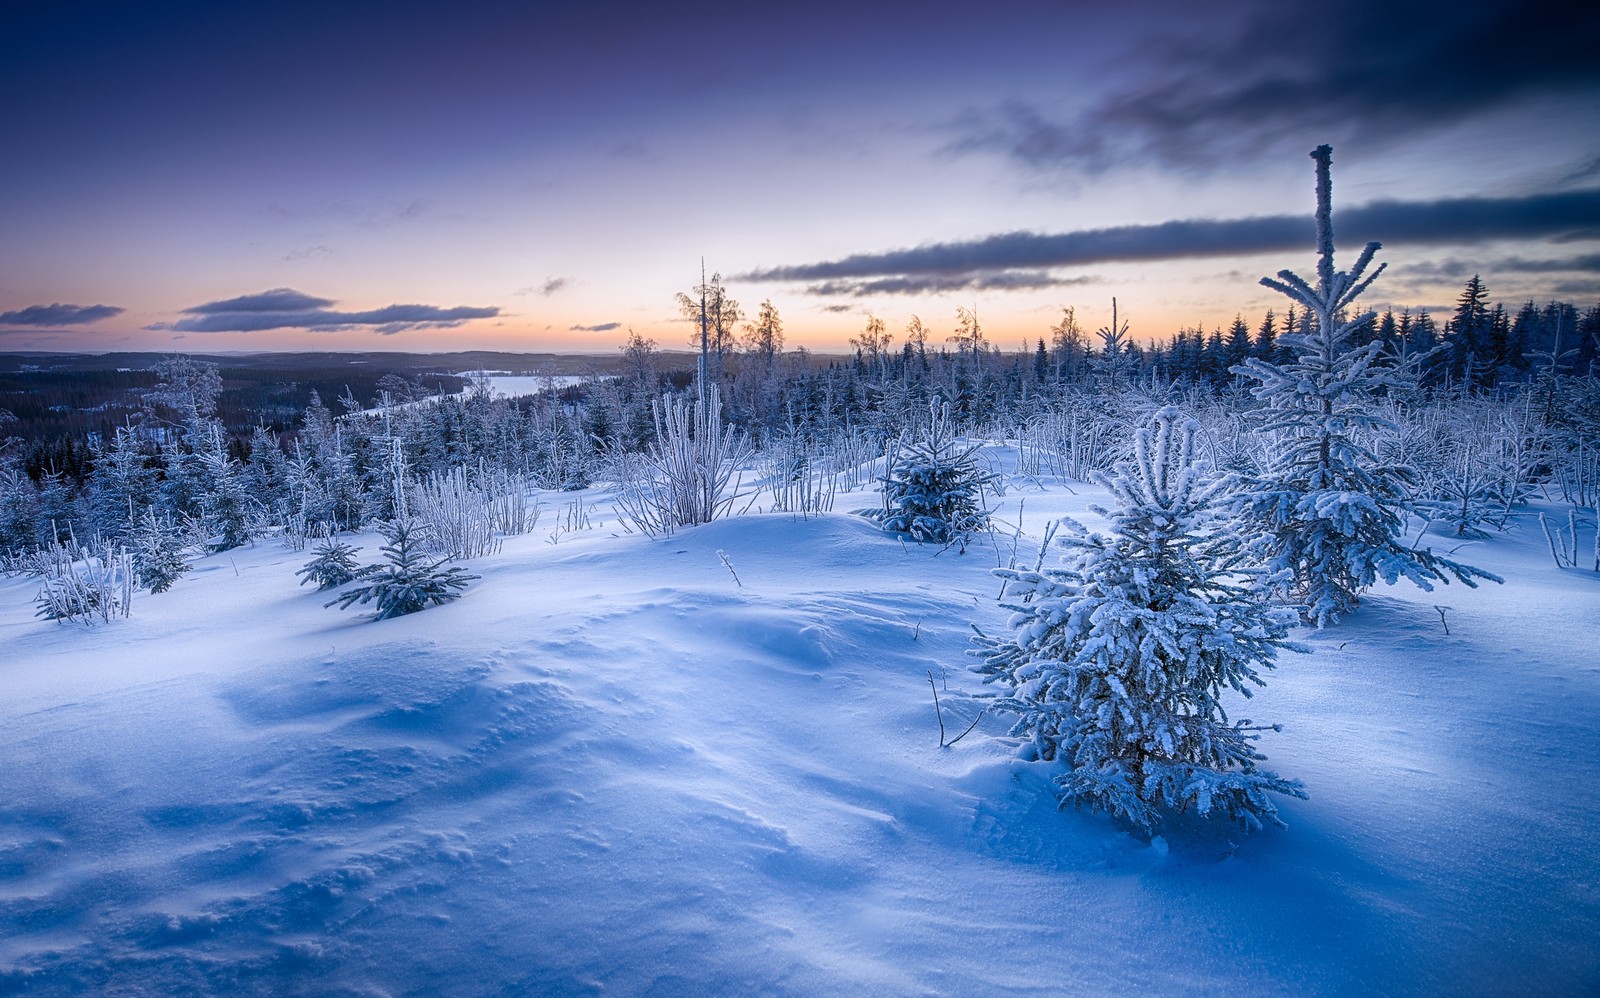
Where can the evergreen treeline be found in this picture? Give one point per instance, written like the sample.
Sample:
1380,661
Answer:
1519,391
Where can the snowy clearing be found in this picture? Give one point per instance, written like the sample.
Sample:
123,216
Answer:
611,767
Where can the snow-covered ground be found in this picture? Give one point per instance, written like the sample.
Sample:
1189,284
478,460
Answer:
613,768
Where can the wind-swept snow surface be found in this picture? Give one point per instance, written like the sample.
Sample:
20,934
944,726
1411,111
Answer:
612,768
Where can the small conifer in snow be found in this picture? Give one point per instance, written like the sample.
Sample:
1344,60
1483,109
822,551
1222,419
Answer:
933,486
158,552
227,503
1328,513
411,580
334,565
1118,660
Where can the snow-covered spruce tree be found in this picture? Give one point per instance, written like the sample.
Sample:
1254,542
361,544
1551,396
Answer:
1329,516
19,511
227,503
334,565
933,485
1119,659
121,487
411,580
157,548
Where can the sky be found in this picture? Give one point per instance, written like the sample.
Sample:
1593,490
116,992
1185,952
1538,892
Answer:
525,176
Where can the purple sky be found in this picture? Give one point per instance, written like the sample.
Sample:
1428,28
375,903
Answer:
519,176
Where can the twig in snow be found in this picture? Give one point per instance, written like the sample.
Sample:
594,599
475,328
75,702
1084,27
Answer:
940,715
724,556
1446,623
1556,549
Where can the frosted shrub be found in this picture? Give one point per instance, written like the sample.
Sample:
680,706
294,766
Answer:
458,516
510,512
797,476
690,474
854,455
933,485
1118,659
1074,437
84,584
411,581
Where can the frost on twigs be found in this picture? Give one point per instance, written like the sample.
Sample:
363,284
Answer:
1119,659
84,584
690,474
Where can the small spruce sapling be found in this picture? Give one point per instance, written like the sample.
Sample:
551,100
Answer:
158,552
933,486
1327,513
1119,659
411,581
334,565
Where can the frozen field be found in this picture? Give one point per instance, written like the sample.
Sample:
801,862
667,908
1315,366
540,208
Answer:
612,768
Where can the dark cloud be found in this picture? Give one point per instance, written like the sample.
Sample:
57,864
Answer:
550,287
604,327
308,253
1587,288
364,215
1560,216
1204,92
1587,170
286,308
59,315
1019,259
1587,263
925,284
275,300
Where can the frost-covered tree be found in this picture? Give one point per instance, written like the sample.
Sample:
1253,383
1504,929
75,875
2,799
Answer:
121,488
1115,357
334,565
157,548
1328,513
1119,659
933,485
59,509
716,317
19,511
186,388
411,581
227,503
267,474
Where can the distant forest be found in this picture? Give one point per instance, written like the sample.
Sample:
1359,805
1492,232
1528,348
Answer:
58,407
